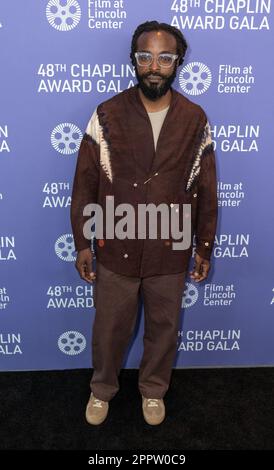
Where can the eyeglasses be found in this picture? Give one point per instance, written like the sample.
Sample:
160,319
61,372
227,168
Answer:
144,59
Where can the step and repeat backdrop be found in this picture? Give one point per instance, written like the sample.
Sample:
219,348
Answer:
59,60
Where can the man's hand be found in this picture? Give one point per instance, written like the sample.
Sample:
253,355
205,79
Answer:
200,269
84,265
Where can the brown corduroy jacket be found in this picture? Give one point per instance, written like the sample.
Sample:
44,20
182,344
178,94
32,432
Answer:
117,158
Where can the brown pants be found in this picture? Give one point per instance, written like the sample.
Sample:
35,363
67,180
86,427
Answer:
116,301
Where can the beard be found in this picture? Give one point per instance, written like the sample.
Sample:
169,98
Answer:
154,91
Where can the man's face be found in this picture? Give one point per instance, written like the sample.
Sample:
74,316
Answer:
153,79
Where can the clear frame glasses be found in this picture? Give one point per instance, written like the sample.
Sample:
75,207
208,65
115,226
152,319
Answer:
145,59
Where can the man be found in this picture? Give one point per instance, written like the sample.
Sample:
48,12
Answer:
146,145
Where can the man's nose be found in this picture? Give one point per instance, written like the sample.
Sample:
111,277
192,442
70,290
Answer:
154,64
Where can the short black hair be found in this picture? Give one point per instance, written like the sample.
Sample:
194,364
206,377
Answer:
156,26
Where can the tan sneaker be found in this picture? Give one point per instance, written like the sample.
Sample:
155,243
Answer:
96,410
153,410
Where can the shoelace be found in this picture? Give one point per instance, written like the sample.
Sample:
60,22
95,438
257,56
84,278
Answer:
153,402
97,403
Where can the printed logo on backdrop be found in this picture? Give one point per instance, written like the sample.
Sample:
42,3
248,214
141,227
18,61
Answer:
66,138
230,194
4,298
67,296
242,138
65,248
72,343
209,340
85,78
63,15
190,295
106,14
235,79
195,78
219,295
4,135
7,248
221,15
10,344
215,295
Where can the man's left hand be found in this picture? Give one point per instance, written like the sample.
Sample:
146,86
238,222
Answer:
201,269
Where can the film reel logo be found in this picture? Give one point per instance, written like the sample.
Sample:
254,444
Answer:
195,78
65,248
72,343
66,138
190,295
63,15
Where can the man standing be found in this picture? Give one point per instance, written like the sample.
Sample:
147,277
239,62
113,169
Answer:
148,145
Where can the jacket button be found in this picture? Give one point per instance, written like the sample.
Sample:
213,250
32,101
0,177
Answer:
195,195
135,185
171,204
206,244
125,255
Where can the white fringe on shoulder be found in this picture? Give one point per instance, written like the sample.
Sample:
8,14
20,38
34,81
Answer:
195,170
95,130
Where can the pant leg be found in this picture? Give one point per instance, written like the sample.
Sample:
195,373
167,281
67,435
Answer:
116,302
162,308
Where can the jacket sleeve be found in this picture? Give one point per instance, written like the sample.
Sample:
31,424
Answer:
85,187
207,208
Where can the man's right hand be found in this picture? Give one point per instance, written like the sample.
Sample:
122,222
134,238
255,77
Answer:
83,265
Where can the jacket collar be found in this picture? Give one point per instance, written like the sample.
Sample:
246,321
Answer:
135,98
